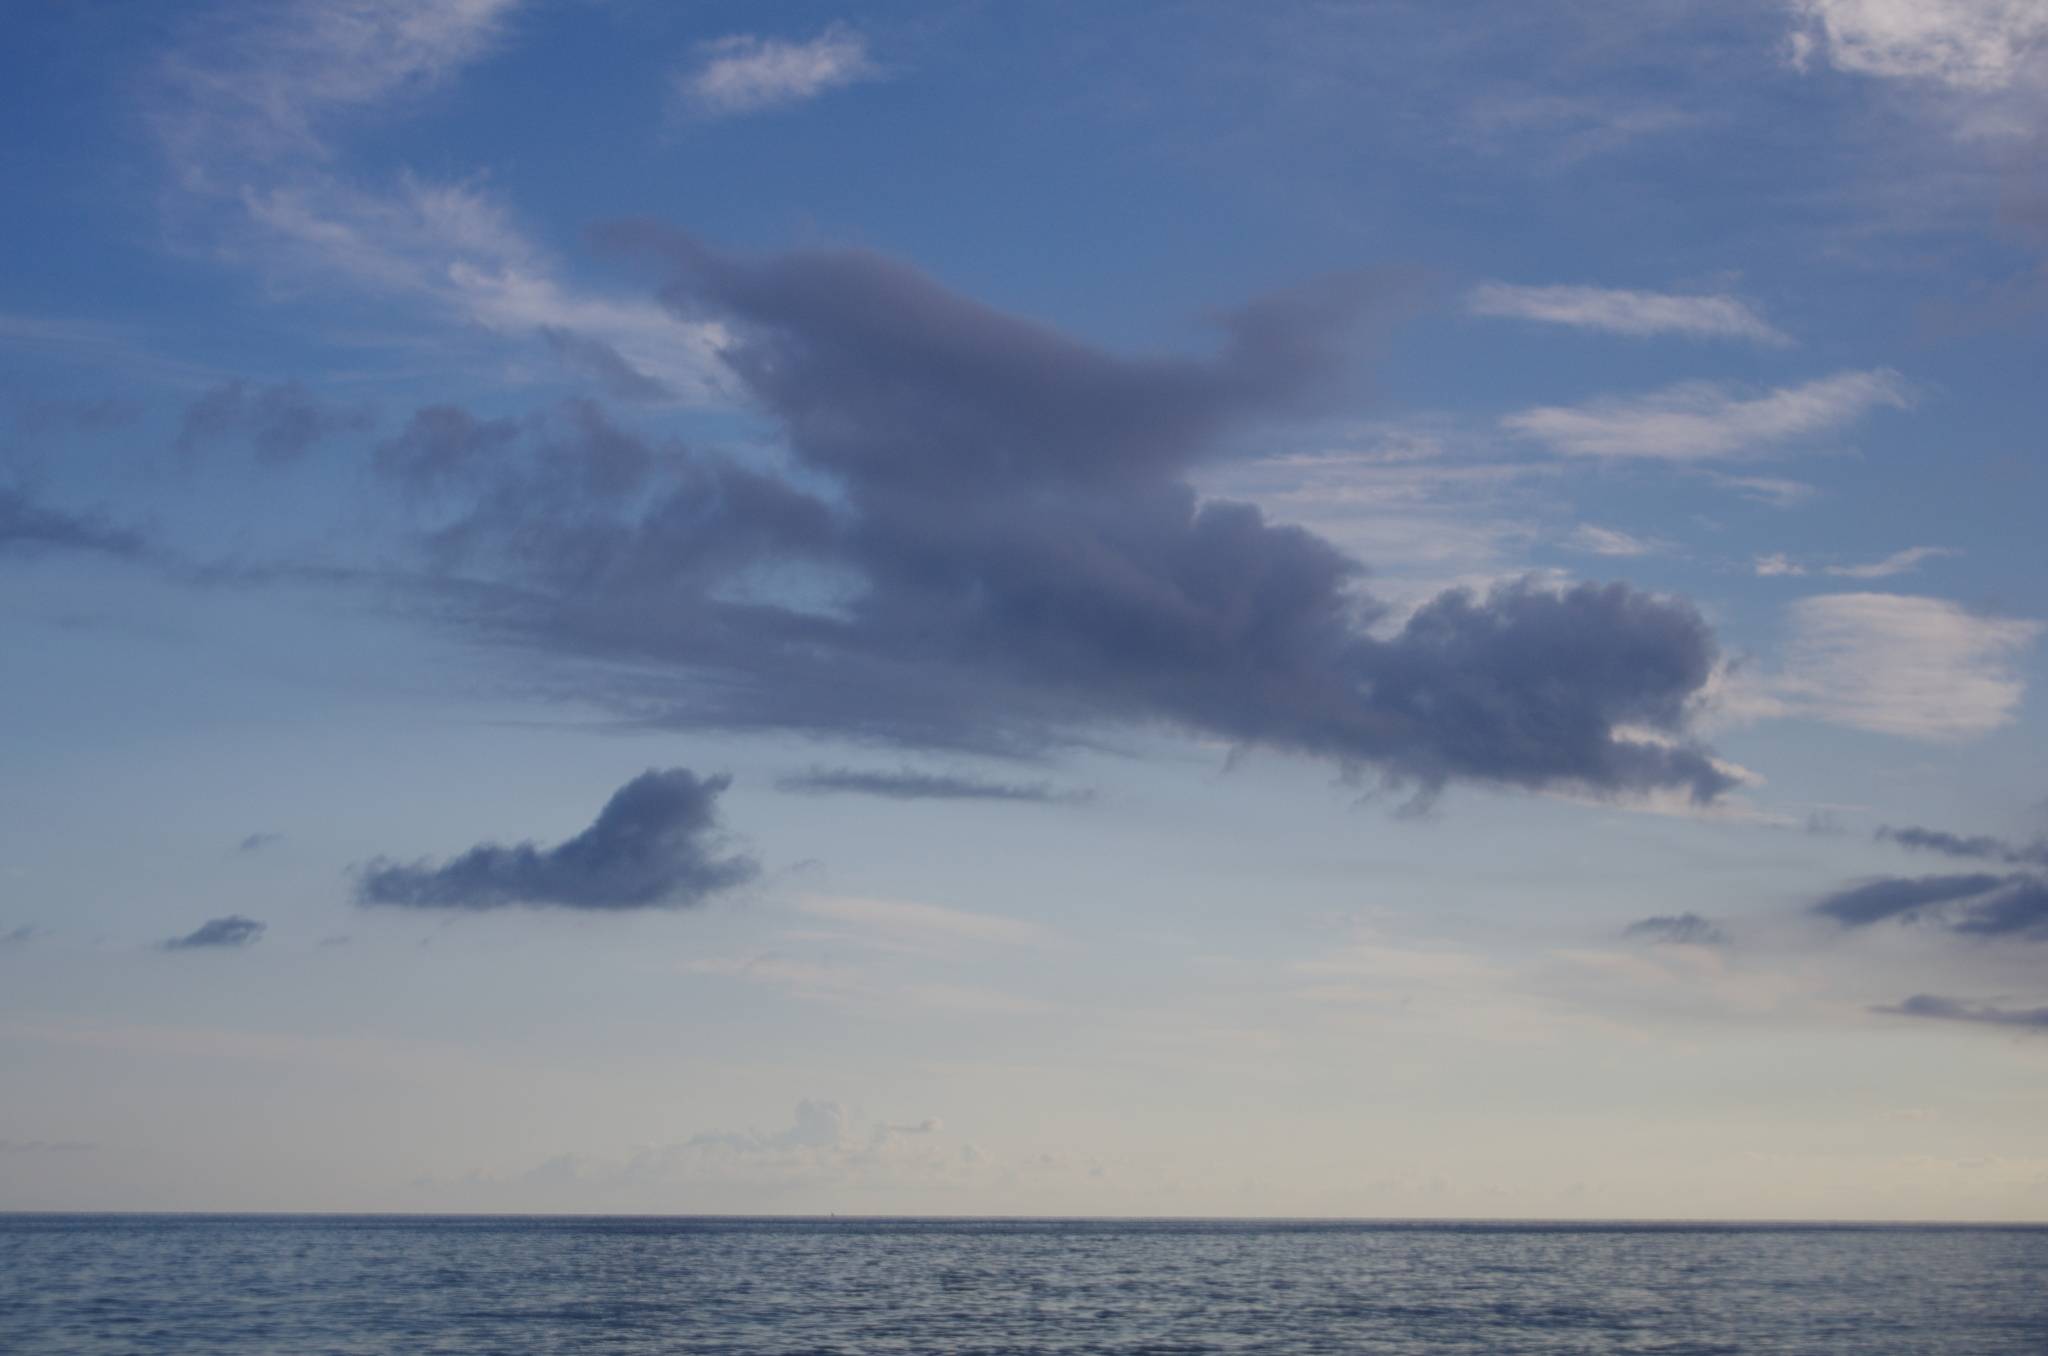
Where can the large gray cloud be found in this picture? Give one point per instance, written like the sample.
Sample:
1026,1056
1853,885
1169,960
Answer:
653,844
1955,845
1978,903
985,537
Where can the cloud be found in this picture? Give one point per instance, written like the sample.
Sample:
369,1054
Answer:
1698,420
1920,667
283,421
1606,541
1618,312
744,74
248,112
256,842
1969,44
26,526
1011,553
908,785
1949,1009
262,85
651,846
1996,849
1979,904
1890,565
1776,564
1687,929
234,930
601,362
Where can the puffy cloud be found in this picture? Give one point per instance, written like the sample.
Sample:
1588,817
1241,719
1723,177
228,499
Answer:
744,74
1698,420
1619,312
652,845
1970,44
1009,551
234,930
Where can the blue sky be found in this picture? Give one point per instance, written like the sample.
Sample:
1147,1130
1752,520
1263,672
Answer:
1174,608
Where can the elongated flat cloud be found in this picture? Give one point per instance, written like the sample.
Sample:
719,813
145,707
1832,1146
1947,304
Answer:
1949,1009
1012,553
1978,904
1619,312
1954,845
652,845
234,930
1898,563
1698,421
1688,929
1902,665
744,74
26,526
1970,44
908,785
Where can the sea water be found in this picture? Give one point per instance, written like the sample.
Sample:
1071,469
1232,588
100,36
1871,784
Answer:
221,1284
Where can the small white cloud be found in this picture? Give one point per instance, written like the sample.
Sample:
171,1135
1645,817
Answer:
1776,565
1618,312
1697,420
747,74
1605,541
1968,44
1765,490
1893,663
1890,565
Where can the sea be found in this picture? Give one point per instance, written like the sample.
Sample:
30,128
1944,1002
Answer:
307,1284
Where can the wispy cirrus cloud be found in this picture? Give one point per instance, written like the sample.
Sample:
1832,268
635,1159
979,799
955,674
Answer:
1700,421
1898,563
1623,312
1892,663
248,113
747,74
1949,1009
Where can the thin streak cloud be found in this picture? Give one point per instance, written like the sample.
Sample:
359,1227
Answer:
1700,421
1620,312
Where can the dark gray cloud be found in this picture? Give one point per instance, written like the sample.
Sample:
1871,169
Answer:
909,785
1687,928
1949,1009
256,842
1992,849
28,526
1979,904
600,362
282,421
985,538
653,845
21,936
234,930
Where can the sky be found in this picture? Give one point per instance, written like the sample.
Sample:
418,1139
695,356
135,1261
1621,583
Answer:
949,607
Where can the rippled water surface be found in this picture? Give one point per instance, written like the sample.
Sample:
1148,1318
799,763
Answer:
402,1284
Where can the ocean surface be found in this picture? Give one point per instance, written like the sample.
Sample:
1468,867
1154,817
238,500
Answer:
225,1284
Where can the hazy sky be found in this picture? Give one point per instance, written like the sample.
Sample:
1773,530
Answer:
1383,609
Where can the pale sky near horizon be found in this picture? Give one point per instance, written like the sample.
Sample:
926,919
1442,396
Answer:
1171,608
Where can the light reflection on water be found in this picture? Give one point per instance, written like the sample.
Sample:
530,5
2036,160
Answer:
346,1284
